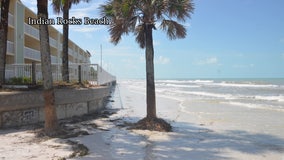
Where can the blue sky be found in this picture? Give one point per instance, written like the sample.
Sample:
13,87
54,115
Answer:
226,39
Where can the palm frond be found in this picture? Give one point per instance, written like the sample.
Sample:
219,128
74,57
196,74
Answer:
132,23
123,15
107,10
180,9
58,5
132,15
117,29
140,35
173,29
160,7
78,1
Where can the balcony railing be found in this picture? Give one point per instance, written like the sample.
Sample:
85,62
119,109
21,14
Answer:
10,47
53,42
86,72
11,19
70,51
31,31
35,33
60,47
32,54
54,59
35,55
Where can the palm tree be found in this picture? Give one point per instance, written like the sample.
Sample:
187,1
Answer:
65,5
51,123
140,18
3,37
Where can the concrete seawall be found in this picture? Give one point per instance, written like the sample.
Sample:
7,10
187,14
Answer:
27,107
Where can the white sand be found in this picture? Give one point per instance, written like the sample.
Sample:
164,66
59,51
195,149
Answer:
206,130
22,145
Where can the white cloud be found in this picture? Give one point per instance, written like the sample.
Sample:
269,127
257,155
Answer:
80,10
34,9
142,59
79,13
243,66
81,28
211,60
29,2
107,38
32,5
84,29
121,51
208,61
162,60
187,25
58,27
85,10
240,55
159,60
156,43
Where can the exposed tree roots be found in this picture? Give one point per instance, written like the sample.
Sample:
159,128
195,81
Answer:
153,124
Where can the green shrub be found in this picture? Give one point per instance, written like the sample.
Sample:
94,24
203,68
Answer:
20,80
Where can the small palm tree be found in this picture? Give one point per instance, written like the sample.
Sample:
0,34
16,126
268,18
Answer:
140,17
51,124
65,5
3,37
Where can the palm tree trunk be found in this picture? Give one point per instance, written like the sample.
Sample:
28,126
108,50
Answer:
151,95
65,70
51,124
3,38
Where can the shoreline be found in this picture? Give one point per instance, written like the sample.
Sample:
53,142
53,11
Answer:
243,133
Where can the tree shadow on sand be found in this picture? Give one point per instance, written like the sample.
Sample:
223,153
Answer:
188,141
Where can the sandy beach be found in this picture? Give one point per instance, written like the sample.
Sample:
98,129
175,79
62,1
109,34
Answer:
205,130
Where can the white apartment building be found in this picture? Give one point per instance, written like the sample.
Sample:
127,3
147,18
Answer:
23,46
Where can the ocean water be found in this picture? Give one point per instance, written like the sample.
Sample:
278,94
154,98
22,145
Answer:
267,94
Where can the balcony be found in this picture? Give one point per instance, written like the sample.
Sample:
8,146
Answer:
53,59
10,47
11,19
35,55
34,32
71,52
81,57
60,47
53,42
32,54
31,31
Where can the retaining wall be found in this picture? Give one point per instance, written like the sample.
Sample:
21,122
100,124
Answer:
27,107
